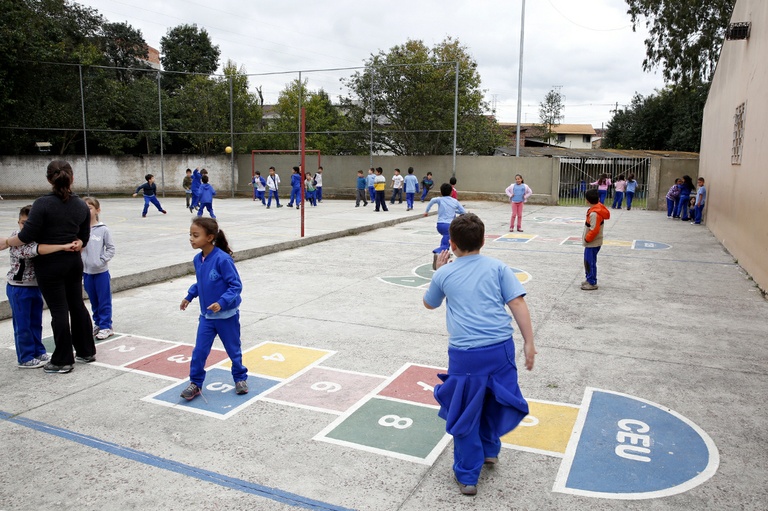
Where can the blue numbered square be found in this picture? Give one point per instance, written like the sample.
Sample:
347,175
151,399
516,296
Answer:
218,398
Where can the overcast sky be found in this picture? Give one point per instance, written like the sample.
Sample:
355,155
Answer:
585,46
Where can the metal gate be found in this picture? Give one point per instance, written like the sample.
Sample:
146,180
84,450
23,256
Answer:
576,174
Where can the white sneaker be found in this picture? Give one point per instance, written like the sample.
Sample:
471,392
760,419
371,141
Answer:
95,330
104,334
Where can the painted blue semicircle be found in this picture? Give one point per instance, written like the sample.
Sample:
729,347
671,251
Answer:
630,448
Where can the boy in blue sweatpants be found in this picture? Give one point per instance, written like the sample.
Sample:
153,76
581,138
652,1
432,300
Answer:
447,209
411,186
150,195
295,188
593,237
197,179
370,181
479,398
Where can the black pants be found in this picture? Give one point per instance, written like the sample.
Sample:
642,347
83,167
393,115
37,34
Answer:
60,278
380,202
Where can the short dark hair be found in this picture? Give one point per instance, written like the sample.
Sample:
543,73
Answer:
148,177
24,211
410,170
296,169
445,189
359,171
452,181
592,196
189,170
204,179
271,168
467,231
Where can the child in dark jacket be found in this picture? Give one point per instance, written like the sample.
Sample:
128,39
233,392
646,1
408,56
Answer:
206,197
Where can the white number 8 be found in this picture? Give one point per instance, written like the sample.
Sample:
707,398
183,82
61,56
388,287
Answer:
395,421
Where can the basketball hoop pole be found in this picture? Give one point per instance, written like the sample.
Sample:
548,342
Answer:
303,161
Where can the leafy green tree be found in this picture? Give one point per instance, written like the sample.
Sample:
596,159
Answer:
326,125
124,47
38,95
669,120
187,49
685,36
245,108
551,113
409,92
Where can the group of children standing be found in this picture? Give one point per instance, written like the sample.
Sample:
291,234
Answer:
621,187
376,182
681,205
313,187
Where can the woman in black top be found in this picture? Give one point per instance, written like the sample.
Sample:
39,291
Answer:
56,218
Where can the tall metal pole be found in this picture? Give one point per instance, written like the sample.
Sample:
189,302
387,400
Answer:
371,132
162,151
300,117
455,116
85,138
520,81
232,136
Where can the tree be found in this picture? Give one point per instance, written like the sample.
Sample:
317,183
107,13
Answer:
669,120
325,123
685,37
551,113
409,93
187,49
124,47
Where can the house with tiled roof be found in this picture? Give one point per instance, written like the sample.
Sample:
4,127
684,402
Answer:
572,136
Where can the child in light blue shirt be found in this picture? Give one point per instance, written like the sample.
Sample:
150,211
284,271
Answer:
479,398
447,209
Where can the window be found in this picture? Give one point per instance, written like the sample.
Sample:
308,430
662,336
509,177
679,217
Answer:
587,139
738,31
738,134
560,139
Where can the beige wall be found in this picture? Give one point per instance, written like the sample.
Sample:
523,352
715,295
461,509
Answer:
737,207
477,176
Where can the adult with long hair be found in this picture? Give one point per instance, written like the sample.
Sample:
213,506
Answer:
57,218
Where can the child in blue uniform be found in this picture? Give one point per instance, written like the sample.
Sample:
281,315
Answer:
295,188
447,209
218,286
480,399
411,185
197,179
150,195
206,197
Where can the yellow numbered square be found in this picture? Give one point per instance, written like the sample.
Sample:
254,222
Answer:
280,360
617,243
546,429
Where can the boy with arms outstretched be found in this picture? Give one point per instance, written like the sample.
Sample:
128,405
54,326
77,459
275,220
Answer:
480,399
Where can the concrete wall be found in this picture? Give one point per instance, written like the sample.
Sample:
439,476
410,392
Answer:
663,173
477,176
110,174
737,205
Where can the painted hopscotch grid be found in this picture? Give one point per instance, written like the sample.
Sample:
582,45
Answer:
546,430
269,364
400,427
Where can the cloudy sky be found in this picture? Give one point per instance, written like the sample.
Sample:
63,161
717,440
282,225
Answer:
586,47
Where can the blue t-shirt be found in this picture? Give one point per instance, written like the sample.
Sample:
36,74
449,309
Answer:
361,183
631,186
447,209
411,184
370,179
518,193
477,289
701,195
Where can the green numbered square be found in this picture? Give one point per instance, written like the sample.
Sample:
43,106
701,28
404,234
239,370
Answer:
393,426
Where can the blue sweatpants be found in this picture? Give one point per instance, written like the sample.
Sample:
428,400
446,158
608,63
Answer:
295,195
618,199
409,200
259,196
318,194
228,330
630,196
100,295
204,206
27,308
590,264
153,200
372,193
273,193
697,214
671,207
443,228
424,193
601,195
195,198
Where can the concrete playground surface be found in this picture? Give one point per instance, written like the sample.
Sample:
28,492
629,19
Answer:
647,393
